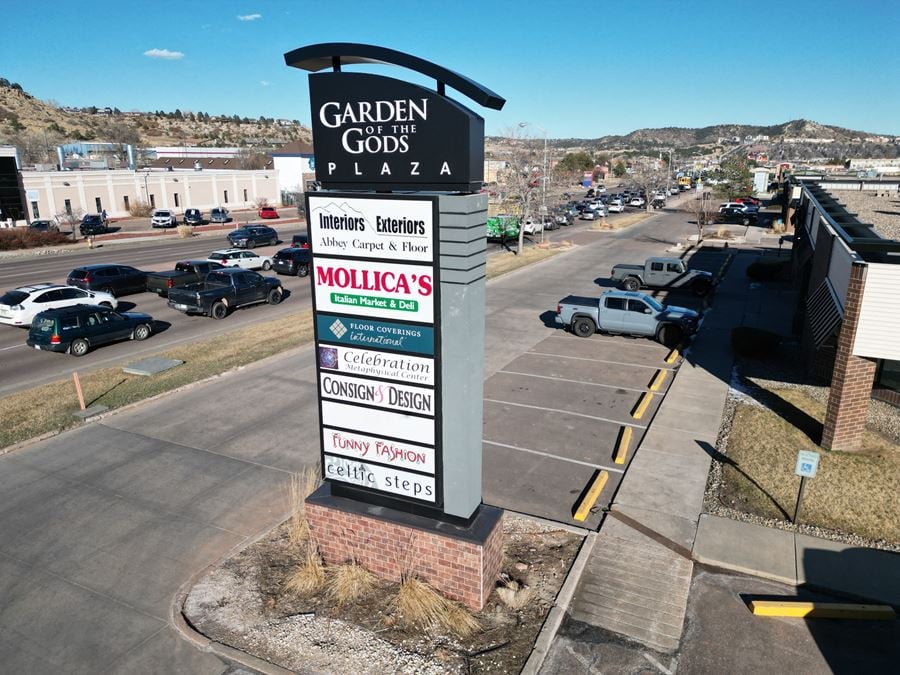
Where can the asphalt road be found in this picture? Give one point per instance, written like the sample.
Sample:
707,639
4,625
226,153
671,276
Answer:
23,367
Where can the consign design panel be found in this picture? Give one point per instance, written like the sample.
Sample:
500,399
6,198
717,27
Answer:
376,298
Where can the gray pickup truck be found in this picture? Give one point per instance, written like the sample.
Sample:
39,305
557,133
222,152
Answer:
662,273
224,290
626,313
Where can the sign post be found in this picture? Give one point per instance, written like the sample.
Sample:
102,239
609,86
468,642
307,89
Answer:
807,464
398,240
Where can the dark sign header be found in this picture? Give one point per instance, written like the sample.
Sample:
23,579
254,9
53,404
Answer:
377,133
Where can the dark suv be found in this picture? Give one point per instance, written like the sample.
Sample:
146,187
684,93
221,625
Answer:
78,329
292,261
111,278
93,224
193,217
252,236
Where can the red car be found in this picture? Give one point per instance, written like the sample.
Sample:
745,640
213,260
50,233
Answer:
748,200
268,212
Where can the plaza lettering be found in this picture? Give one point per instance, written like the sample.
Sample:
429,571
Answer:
385,451
374,280
349,223
399,226
334,115
377,393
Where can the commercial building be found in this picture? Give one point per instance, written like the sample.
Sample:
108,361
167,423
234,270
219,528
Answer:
849,316
294,164
51,193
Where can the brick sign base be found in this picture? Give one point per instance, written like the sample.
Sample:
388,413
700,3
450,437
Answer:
463,563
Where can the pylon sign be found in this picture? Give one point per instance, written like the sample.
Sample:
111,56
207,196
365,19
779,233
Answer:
385,267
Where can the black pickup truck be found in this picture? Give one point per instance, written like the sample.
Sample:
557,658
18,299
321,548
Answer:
188,272
224,290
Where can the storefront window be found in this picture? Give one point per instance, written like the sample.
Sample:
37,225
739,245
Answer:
889,375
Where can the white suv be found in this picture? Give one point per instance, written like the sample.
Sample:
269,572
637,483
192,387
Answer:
240,257
19,306
163,218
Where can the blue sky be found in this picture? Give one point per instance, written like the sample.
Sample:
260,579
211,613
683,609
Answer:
577,69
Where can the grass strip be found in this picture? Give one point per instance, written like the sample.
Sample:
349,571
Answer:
36,411
621,223
852,492
505,262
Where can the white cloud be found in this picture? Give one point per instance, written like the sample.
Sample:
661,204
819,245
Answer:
164,54
249,17
265,83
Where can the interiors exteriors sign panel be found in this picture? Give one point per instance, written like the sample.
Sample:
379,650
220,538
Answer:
375,293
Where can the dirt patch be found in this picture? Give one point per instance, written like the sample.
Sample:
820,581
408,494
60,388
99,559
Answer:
243,603
504,262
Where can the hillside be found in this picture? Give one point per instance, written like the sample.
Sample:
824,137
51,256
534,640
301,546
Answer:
36,126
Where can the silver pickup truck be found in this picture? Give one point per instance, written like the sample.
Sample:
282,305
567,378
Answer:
662,273
627,313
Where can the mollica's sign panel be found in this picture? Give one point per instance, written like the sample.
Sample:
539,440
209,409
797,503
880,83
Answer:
372,228
376,289
375,293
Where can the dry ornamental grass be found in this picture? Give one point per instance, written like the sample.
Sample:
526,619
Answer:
309,577
349,583
423,607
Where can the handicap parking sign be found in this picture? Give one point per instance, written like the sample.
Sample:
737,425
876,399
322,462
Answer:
807,463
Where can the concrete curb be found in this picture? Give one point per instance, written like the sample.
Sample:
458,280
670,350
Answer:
558,611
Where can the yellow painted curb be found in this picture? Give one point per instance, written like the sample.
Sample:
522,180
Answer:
673,355
658,379
642,406
622,449
591,497
821,610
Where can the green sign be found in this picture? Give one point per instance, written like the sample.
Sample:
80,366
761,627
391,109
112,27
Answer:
374,301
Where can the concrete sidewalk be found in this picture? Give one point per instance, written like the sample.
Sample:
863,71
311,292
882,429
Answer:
799,559
637,579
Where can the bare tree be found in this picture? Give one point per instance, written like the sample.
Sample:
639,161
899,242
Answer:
519,181
701,208
649,177
70,219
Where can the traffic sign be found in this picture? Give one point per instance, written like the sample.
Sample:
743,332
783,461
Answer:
807,463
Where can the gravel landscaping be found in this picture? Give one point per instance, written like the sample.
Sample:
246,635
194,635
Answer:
243,603
881,209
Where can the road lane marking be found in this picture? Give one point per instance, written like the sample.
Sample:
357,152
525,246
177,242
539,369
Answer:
3,349
552,456
569,336
564,379
565,412
581,358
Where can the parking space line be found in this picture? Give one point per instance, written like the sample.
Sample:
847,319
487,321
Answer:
565,412
565,379
607,341
581,358
552,456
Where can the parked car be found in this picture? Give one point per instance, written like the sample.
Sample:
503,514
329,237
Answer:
93,223
588,214
293,260
251,236
163,218
615,206
638,202
19,306
193,217
109,278
224,290
626,313
79,329
236,257
267,212
752,201
219,215
188,272
738,215
662,273
300,240
737,206
43,226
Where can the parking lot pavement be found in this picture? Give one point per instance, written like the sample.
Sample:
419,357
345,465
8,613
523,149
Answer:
553,417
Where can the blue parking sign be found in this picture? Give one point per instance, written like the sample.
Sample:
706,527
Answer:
807,463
